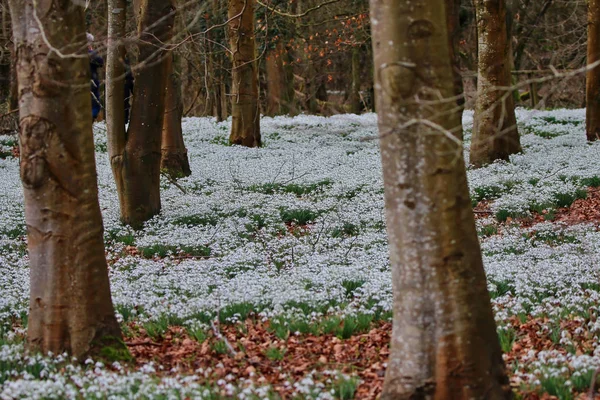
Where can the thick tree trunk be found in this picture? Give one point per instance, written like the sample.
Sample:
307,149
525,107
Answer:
174,157
495,135
70,305
245,126
355,103
444,344
592,86
135,158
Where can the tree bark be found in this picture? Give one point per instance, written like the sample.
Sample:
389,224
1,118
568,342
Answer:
444,344
115,79
275,81
452,19
593,75
70,303
174,157
495,135
245,126
135,158
355,103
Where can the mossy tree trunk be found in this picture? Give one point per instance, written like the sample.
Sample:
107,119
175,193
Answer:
70,308
444,344
135,157
592,89
495,134
174,158
245,126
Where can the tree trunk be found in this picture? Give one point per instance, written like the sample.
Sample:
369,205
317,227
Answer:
355,103
135,158
275,83
174,158
452,19
495,135
5,54
593,75
115,79
444,344
70,304
245,126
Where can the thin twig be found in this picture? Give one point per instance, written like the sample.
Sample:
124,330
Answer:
223,338
143,343
173,181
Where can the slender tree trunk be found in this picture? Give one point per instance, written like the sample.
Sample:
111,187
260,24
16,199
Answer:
135,158
174,159
70,305
444,344
5,53
115,80
355,104
245,127
495,135
592,88
274,67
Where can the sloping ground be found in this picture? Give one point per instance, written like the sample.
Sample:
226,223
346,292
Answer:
282,250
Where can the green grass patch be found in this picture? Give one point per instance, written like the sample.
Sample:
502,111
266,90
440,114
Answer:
161,251
292,188
345,387
274,353
197,220
298,216
556,386
350,286
593,181
15,232
238,312
347,229
157,328
503,215
502,288
507,337
220,140
488,230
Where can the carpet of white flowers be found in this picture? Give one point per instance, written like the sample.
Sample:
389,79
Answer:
296,230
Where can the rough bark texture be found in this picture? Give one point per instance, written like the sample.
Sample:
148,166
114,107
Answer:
444,343
452,19
245,126
70,304
135,158
495,135
174,158
593,75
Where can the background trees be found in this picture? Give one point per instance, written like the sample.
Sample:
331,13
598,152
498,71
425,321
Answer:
245,127
495,134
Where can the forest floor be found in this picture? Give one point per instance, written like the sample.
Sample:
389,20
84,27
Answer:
266,275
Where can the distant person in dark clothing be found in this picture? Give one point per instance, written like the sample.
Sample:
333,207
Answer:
128,88
96,62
